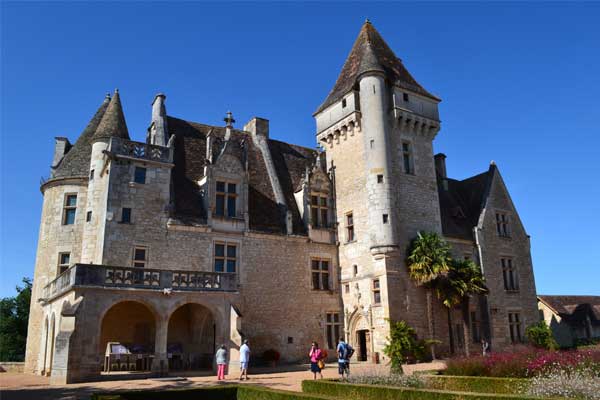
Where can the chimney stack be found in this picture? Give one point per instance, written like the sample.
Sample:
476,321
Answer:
258,127
440,165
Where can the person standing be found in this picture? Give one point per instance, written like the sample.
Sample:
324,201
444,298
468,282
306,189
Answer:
316,355
485,346
221,357
344,351
244,359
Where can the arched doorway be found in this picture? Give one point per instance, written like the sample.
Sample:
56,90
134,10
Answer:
127,338
360,337
191,338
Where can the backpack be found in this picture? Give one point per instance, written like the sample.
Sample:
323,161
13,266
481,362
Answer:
347,351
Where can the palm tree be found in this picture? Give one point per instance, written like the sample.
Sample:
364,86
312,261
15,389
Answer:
464,279
428,259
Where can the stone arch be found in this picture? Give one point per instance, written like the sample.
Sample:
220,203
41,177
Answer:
138,337
191,336
360,334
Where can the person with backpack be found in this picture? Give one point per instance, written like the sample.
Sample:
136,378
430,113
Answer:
345,352
316,360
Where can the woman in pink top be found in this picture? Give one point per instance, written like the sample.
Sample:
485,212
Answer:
316,354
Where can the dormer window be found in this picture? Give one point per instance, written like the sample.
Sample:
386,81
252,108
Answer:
319,211
226,195
344,103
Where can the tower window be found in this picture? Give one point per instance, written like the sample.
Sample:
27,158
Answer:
343,103
407,158
140,257
320,274
514,326
64,261
385,218
354,270
405,96
225,257
502,224
509,275
91,175
126,215
349,227
69,209
319,211
347,288
376,292
139,175
372,143
379,178
88,216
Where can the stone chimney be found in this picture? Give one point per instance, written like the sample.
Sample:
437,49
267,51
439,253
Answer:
158,126
440,165
61,147
228,125
258,127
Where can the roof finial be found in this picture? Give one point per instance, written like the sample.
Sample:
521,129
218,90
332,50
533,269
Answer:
229,120
492,162
368,21
117,91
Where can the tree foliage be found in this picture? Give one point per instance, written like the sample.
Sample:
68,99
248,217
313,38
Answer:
14,316
428,258
464,278
403,345
540,336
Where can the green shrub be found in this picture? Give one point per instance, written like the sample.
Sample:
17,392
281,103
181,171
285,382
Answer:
206,393
403,345
477,384
373,392
258,393
540,336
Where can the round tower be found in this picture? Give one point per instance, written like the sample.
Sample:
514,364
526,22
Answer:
373,105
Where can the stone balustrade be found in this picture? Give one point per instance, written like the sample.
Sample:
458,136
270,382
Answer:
129,148
90,275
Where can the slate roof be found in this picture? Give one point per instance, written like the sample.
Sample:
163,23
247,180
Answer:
113,121
77,160
462,202
371,53
573,308
264,213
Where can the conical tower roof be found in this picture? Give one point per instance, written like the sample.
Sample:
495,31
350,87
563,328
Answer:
113,122
371,53
77,161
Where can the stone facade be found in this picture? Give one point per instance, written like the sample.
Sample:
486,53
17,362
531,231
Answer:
206,235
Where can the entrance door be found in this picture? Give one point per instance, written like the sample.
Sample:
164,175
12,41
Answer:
362,338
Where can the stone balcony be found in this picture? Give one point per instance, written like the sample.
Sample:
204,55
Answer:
103,276
137,150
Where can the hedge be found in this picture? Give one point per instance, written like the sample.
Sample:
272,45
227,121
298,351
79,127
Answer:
376,392
480,384
228,392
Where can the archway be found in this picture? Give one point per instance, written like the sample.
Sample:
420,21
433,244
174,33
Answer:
127,338
360,336
191,338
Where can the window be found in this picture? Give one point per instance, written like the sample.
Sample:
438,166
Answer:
64,260
319,210
320,274
140,257
509,274
91,175
405,96
376,292
514,326
372,143
475,328
88,216
70,209
502,224
355,270
226,199
349,227
347,288
385,218
139,175
225,257
333,327
407,158
344,103
379,178
290,340
126,215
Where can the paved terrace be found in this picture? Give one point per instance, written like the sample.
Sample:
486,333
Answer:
14,386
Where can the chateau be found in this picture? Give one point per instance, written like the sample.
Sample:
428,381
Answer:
153,253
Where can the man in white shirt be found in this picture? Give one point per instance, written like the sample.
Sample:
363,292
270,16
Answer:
244,359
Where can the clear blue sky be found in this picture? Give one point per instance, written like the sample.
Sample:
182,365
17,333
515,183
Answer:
519,83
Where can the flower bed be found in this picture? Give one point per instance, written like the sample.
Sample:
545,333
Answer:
525,362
